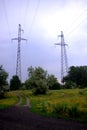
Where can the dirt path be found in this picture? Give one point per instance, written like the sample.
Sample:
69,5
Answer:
27,104
20,101
20,118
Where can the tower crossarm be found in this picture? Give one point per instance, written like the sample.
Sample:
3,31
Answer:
60,44
24,39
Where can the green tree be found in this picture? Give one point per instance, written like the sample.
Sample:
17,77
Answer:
37,80
52,82
15,83
40,81
77,75
3,80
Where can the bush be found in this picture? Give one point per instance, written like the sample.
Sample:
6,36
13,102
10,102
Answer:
69,85
39,87
74,111
15,83
61,109
2,93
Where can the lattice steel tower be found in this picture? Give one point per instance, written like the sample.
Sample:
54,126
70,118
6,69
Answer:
64,61
19,39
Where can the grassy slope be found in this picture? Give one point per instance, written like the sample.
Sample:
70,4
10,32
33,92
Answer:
70,103
62,103
11,98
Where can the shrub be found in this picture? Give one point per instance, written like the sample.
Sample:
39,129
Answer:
15,83
2,93
74,111
61,109
39,87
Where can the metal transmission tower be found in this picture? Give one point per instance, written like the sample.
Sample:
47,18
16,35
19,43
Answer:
19,39
64,61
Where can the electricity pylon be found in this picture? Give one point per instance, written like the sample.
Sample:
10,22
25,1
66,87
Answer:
64,61
19,39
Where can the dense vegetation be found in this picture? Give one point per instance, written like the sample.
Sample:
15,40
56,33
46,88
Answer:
69,104
15,83
3,81
40,81
77,77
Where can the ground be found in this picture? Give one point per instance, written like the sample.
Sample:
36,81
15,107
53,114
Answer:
20,118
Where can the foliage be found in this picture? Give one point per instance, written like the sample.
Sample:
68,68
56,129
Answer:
60,108
39,80
23,101
10,100
3,81
64,103
40,87
77,75
15,83
69,84
70,104
74,111
52,82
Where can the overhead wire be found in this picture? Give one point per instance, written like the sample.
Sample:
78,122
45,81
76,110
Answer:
77,26
5,11
26,9
73,29
33,20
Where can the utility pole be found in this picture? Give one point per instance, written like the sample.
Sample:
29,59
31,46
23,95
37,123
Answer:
19,39
64,61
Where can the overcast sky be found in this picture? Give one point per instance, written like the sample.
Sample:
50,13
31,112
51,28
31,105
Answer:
42,22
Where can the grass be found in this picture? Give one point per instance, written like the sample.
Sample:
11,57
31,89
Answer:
65,103
10,99
23,101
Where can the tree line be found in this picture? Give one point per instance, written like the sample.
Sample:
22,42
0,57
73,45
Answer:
40,81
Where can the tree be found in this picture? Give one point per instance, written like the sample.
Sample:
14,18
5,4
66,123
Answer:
40,87
52,82
77,75
37,80
3,76
3,80
15,83
40,81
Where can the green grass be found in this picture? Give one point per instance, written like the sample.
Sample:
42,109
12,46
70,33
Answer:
23,101
10,99
65,103
71,103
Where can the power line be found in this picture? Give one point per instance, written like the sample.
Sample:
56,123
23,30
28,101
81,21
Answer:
33,20
6,18
26,9
69,32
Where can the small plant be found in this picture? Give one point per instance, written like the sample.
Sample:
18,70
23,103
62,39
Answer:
81,92
61,109
44,106
47,107
74,111
40,87
23,101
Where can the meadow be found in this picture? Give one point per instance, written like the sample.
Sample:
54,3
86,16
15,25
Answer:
64,103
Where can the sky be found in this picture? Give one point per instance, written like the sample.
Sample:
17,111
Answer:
42,22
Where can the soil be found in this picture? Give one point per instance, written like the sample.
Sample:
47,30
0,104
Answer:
20,118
